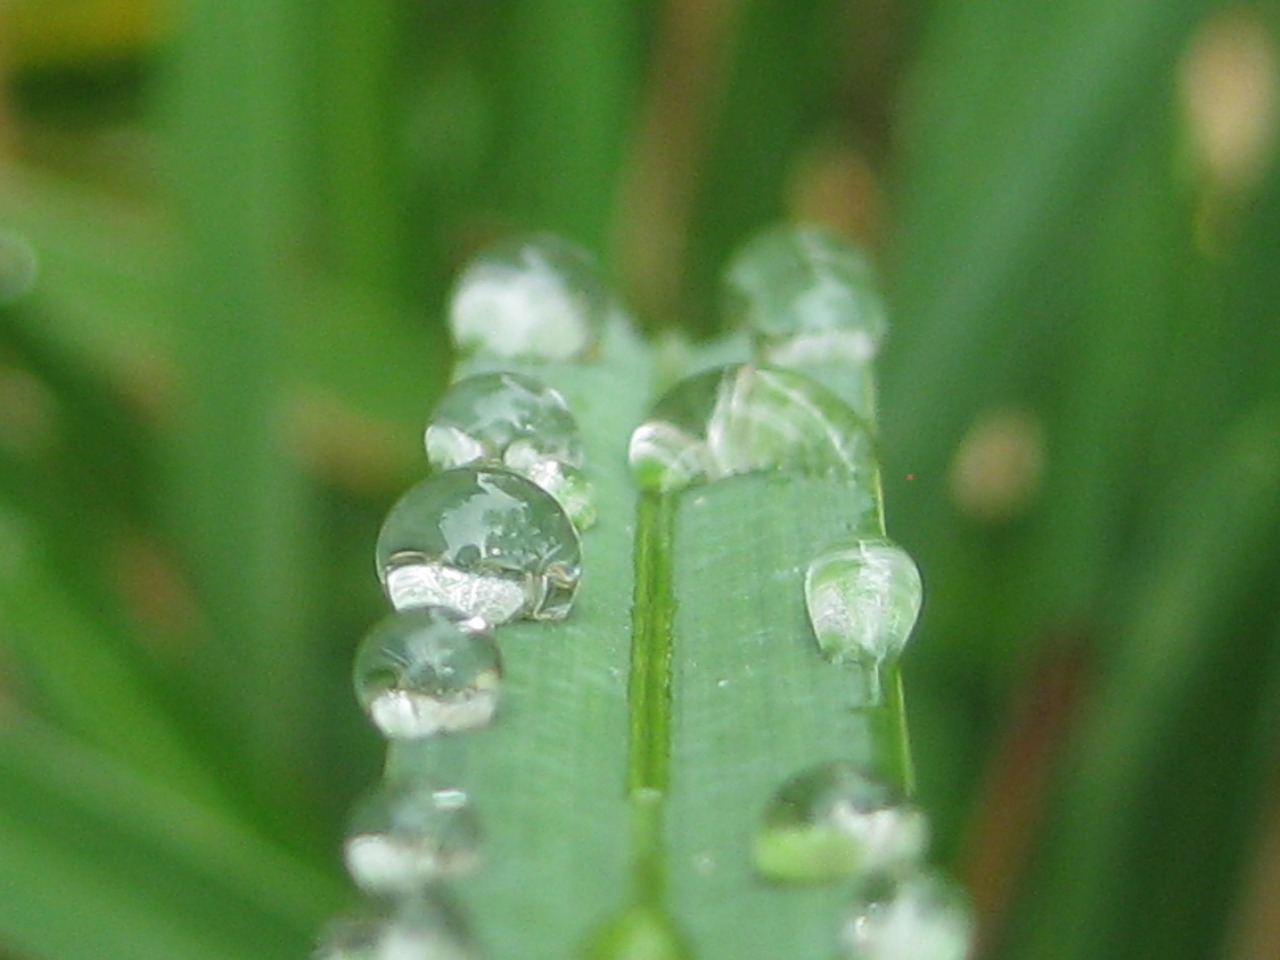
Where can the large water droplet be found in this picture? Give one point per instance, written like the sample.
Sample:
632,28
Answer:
831,822
807,296
428,670
429,926
404,835
482,540
863,600
518,422
536,298
921,916
742,419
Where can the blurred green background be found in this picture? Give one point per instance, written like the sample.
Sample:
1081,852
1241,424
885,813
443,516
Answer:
226,235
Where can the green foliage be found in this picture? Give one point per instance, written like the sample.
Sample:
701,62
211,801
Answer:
217,384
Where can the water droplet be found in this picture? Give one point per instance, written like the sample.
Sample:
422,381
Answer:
482,540
863,600
921,916
807,296
429,926
428,670
742,419
832,822
535,298
404,835
515,421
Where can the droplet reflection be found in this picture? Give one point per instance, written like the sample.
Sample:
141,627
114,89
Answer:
863,599
428,926
404,835
428,670
921,916
741,419
538,298
515,421
482,540
807,296
833,822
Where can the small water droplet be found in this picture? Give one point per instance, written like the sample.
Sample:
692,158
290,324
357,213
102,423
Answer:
863,600
515,421
807,296
535,298
742,419
428,670
832,822
482,540
428,926
921,916
404,835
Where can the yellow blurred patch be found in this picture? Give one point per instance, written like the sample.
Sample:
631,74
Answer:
61,33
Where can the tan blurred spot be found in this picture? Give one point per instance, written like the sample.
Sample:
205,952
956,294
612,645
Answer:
1254,933
157,595
356,452
833,185
28,413
1228,87
998,466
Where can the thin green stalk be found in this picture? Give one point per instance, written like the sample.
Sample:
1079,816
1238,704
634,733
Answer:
649,693
242,503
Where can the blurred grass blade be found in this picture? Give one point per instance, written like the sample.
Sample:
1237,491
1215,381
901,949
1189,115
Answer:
1011,115
781,67
101,861
79,671
570,97
1205,566
239,503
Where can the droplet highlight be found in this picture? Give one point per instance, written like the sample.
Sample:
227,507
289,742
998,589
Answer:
428,670
833,822
482,540
515,421
863,600
743,419
807,297
921,916
538,298
428,926
403,836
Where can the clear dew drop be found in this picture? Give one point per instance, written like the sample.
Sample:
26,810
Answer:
405,835
482,540
537,298
920,916
518,422
742,419
428,670
833,822
863,599
807,297
426,926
